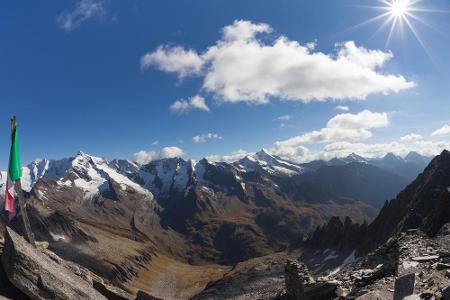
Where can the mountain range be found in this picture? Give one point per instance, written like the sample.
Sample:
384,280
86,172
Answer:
176,218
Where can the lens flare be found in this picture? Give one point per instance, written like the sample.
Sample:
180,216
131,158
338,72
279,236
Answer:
396,16
399,8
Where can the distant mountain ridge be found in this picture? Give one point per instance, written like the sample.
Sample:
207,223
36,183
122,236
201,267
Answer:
259,204
165,176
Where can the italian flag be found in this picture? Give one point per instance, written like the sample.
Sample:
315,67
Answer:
14,174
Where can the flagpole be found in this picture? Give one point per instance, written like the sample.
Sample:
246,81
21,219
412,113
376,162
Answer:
23,211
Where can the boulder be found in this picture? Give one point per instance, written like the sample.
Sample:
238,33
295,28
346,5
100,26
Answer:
446,293
425,258
295,277
111,292
300,285
404,286
320,291
412,297
38,276
141,295
442,266
373,295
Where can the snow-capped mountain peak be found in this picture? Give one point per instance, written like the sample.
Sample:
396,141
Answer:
94,174
353,157
263,160
87,172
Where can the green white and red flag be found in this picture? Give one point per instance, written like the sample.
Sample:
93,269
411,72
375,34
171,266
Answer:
14,174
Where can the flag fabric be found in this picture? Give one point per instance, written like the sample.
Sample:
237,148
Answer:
14,174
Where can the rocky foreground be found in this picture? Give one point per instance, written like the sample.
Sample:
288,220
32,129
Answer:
411,266
38,273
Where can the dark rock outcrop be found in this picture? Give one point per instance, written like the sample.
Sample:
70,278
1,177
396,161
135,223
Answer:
300,285
141,295
424,204
38,276
296,276
111,292
404,286
338,235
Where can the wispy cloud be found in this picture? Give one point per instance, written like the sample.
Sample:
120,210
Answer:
183,106
173,60
84,10
412,137
201,138
342,108
235,155
444,130
283,118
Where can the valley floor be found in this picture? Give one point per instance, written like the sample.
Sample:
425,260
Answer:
167,278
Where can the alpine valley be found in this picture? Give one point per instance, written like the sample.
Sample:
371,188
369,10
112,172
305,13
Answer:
178,229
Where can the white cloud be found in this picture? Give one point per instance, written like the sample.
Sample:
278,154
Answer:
235,155
341,149
184,106
444,130
155,143
412,137
283,118
144,157
243,67
342,127
84,10
362,120
199,103
169,152
342,107
347,126
173,60
296,153
201,138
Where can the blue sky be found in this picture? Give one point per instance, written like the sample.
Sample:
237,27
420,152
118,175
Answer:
74,73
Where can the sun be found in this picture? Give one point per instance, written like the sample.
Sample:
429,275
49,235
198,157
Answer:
399,16
399,8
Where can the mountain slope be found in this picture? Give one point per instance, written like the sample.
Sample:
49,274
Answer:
359,181
408,167
424,204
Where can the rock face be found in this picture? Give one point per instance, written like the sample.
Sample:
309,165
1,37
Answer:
446,293
38,276
296,276
144,296
424,204
338,235
300,285
404,286
373,295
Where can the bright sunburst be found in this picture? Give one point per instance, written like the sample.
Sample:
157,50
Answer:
399,8
396,15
